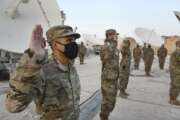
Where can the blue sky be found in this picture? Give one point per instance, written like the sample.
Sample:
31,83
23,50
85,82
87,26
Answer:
95,16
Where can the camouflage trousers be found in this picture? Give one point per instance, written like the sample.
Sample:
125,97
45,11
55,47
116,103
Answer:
81,58
174,91
148,67
109,93
161,63
123,81
59,115
136,63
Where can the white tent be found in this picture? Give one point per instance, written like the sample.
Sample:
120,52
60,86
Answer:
18,17
91,39
149,36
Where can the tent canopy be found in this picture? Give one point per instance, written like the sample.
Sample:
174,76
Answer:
149,36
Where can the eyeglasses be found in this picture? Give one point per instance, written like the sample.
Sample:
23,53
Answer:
67,40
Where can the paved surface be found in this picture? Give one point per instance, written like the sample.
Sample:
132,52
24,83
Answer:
91,106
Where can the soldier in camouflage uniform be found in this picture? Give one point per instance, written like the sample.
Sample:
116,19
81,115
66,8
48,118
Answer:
137,56
144,50
82,52
162,53
175,75
124,70
53,85
109,55
148,59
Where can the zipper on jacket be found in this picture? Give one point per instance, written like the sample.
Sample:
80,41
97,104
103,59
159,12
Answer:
69,78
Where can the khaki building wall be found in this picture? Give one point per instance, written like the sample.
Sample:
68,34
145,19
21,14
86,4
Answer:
170,43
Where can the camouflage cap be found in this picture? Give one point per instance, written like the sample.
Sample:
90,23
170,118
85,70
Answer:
111,31
126,41
60,31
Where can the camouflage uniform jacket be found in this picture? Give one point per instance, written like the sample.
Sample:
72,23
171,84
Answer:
175,68
52,86
125,61
109,55
137,53
82,49
149,55
144,49
162,52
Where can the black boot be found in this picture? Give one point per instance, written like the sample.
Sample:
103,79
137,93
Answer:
122,94
127,94
173,100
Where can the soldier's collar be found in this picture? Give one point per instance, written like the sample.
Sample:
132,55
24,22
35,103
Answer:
61,66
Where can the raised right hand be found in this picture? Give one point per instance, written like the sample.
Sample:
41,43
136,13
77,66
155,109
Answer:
37,42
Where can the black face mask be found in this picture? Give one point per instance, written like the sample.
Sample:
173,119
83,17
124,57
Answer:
71,50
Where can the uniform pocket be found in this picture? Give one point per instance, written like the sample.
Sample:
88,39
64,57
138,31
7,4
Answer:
110,74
